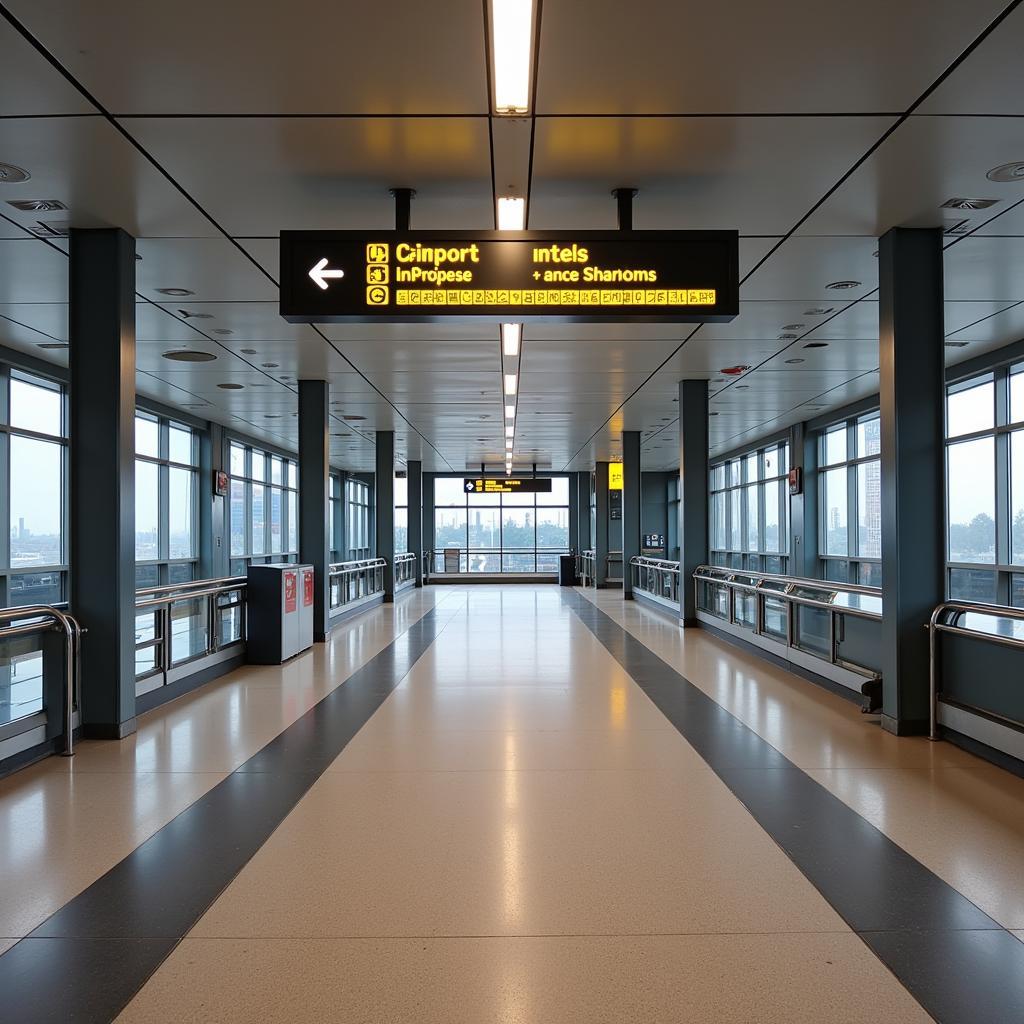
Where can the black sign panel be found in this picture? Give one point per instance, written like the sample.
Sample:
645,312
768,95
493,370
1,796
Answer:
507,485
509,276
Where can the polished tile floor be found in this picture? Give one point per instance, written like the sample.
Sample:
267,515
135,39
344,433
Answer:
515,831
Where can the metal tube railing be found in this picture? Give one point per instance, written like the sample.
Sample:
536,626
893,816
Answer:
955,609
364,576
500,554
658,577
585,567
47,617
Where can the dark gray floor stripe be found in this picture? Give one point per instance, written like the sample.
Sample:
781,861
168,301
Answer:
960,965
86,961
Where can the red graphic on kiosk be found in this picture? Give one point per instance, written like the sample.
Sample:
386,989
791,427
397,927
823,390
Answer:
307,588
291,588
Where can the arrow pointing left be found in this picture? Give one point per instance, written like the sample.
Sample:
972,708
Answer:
320,273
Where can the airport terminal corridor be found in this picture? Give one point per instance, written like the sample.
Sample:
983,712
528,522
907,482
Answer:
496,803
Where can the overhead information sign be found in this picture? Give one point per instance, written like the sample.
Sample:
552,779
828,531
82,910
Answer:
498,277
507,485
614,476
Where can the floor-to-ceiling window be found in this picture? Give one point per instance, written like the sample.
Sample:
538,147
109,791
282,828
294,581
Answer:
501,532
263,517
357,518
401,513
749,510
849,500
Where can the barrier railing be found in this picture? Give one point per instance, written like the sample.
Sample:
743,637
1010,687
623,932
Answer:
405,570
656,577
542,561
351,582
183,622
585,570
994,624
808,621
40,618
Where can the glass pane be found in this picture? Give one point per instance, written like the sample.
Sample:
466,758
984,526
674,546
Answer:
518,561
734,471
869,437
837,570
970,477
1017,496
517,528
35,408
483,528
146,576
36,502
146,511
21,680
293,476
750,467
835,511
181,445
485,499
869,574
237,460
975,585
276,471
735,525
450,528
401,529
520,499
259,465
35,588
1017,590
293,522
449,491
553,528
752,520
183,572
771,516
559,492
719,519
401,491
835,445
147,437
784,459
188,629
182,512
276,537
771,462
971,409
237,517
869,508
258,519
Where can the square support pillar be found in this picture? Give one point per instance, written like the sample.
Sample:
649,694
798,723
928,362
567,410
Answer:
384,507
803,507
581,482
693,491
102,484
600,525
630,507
912,400
314,496
414,516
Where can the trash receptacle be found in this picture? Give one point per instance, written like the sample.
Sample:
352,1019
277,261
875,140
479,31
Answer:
567,570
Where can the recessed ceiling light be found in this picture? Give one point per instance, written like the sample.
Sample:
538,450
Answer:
248,351
36,205
231,387
788,337
270,366
64,344
819,311
512,53
816,344
510,412
510,335
177,292
354,417
1007,172
510,383
968,204
949,344
742,387
793,327
186,315
188,355
792,361
222,330
50,229
839,286
271,415
712,413
11,175
511,213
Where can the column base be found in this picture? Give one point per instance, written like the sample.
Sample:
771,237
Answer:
109,730
904,727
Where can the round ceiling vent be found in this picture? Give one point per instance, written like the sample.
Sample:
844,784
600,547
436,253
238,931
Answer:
11,175
176,292
840,286
1007,172
187,355
354,417
231,387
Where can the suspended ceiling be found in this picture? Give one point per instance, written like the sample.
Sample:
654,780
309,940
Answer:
204,129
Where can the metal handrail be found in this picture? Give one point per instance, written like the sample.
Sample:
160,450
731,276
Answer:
585,567
364,576
936,626
342,568
406,556
45,616
175,587
641,570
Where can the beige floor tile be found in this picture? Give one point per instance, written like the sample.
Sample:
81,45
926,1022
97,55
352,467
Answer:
383,746
517,853
965,824
59,833
788,979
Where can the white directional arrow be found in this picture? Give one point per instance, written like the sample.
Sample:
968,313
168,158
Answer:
320,273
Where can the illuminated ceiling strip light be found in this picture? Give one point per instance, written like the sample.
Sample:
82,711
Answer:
512,54
510,431
510,383
511,213
510,412
510,335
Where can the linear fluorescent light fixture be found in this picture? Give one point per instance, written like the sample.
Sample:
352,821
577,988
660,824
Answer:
511,213
512,54
510,335
510,412
510,431
510,383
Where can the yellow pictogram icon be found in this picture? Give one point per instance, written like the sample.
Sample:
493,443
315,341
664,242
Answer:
377,252
376,295
377,274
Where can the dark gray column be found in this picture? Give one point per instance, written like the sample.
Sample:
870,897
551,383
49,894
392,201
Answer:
693,491
574,514
601,525
314,496
803,507
912,392
102,457
415,516
384,505
214,542
630,506
582,485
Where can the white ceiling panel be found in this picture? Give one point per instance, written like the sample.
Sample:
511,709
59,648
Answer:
424,356
806,266
31,271
213,269
29,85
1000,329
239,57
677,58
988,269
755,175
842,358
926,162
258,176
762,320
